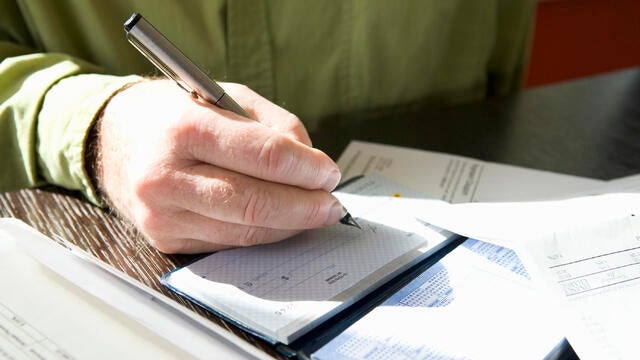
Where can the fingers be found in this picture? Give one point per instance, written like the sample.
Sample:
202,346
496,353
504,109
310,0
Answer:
189,233
267,113
235,198
194,178
251,148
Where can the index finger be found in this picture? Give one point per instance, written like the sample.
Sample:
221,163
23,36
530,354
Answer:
227,140
268,113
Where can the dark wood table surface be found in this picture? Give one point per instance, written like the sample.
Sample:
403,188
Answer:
589,127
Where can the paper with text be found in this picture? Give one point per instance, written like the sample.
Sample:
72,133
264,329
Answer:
594,273
458,179
582,251
475,303
42,316
56,290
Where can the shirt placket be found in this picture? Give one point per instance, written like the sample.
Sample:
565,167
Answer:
249,46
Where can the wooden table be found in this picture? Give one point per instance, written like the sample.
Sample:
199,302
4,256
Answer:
589,127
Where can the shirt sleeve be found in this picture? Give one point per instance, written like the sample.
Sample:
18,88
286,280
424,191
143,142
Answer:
48,103
69,109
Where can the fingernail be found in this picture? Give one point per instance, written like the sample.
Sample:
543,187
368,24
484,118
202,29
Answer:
334,213
332,180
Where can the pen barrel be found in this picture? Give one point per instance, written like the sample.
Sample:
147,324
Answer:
175,65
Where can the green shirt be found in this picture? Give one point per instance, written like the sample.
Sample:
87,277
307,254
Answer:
62,60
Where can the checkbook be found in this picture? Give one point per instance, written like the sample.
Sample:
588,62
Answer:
284,291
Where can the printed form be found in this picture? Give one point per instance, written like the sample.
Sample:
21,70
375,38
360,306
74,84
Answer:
598,286
594,273
457,179
475,303
583,252
584,258
42,316
55,304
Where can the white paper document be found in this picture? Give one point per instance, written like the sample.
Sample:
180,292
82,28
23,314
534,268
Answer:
583,252
510,224
475,303
282,290
458,179
42,316
56,305
594,273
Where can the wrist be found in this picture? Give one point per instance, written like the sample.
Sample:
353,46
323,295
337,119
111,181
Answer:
93,150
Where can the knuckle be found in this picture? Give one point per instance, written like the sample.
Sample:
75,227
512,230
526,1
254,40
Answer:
271,156
164,245
251,236
221,191
150,222
300,132
151,183
245,88
143,188
146,185
295,124
180,133
312,214
257,207
187,133
153,227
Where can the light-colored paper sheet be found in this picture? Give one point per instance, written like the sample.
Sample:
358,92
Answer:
475,303
594,274
44,316
597,232
562,217
84,311
458,179
583,252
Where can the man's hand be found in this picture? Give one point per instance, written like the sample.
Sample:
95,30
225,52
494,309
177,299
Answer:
193,177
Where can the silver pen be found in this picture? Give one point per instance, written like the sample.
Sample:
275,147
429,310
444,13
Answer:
176,66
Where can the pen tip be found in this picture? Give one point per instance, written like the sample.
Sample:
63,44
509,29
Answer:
349,220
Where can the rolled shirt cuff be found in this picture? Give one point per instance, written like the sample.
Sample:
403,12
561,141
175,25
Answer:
69,110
